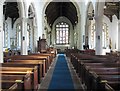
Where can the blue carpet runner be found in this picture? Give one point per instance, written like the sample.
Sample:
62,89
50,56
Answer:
61,79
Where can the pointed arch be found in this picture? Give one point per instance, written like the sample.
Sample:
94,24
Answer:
32,23
89,24
72,1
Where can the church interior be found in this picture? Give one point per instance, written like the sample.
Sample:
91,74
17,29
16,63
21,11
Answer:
66,45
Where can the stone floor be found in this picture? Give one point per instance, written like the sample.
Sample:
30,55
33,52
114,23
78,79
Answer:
46,80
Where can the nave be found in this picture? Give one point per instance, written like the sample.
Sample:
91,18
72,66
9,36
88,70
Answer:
34,32
37,72
73,70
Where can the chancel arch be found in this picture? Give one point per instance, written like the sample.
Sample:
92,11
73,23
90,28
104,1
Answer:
63,34
55,10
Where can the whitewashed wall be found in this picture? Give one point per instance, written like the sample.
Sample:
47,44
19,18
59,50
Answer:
114,32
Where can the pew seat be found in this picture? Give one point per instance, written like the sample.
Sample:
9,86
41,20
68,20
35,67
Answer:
42,66
12,85
24,79
29,57
22,71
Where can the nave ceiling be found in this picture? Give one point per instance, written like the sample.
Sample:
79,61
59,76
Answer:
112,8
10,9
58,9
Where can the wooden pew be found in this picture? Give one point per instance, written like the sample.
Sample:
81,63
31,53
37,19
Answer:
9,83
99,81
22,71
69,51
50,55
104,70
12,85
41,64
103,63
79,64
29,63
76,60
45,57
52,50
112,64
30,57
90,78
23,80
94,82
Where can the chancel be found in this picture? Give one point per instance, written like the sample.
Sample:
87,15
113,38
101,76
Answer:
66,45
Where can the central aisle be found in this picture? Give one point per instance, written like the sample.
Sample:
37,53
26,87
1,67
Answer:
61,78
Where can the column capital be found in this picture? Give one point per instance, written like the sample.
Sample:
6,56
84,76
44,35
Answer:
118,35
24,19
119,21
118,24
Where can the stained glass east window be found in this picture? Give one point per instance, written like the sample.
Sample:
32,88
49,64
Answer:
62,33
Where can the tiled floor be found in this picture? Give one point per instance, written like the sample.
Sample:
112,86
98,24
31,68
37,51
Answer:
45,82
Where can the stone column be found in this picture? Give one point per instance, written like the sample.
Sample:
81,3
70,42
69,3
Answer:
24,36
86,33
98,27
31,38
81,31
77,39
119,35
1,33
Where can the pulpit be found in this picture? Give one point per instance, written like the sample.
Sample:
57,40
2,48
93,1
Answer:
42,45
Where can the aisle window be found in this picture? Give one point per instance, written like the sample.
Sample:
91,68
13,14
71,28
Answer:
93,34
5,34
62,33
105,36
28,35
18,35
